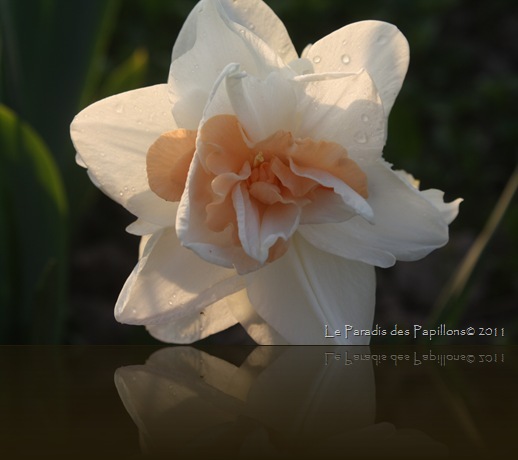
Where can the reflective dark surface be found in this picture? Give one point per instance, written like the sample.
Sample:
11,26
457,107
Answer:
263,402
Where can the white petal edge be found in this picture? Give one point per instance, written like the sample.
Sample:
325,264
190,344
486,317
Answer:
376,46
256,16
307,289
112,138
171,282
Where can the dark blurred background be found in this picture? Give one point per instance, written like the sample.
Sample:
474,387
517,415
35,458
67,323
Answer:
64,251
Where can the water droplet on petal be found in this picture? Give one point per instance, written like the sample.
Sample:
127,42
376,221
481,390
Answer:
317,59
134,311
360,137
170,302
121,193
251,26
344,43
119,108
345,59
365,118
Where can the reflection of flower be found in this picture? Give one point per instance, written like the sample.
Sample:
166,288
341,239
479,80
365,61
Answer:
268,168
279,402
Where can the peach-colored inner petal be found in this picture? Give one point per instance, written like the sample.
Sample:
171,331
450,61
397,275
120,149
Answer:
257,190
168,161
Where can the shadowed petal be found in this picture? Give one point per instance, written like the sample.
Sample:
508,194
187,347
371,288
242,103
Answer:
376,46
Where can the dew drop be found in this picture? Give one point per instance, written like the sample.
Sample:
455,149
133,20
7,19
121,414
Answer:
365,118
317,59
360,137
251,26
134,311
119,108
345,59
126,188
133,189
344,43
121,193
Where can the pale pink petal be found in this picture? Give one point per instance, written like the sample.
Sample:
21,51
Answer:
171,282
406,225
112,138
378,47
306,289
168,161
191,225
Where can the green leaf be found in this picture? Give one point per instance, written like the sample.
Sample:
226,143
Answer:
33,231
51,65
128,75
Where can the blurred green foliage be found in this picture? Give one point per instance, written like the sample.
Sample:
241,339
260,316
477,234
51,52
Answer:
453,126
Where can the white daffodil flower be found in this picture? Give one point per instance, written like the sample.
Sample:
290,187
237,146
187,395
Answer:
258,181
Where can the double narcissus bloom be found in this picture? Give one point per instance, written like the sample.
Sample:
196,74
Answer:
258,181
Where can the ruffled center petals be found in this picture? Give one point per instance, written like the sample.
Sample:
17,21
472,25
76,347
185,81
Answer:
167,163
257,192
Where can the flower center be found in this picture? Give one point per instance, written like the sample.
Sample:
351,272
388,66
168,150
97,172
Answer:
253,197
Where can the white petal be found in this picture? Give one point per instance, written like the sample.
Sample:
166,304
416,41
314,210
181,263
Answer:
141,227
346,110
449,210
256,16
306,289
378,47
213,319
112,138
192,75
406,225
263,106
171,282
260,331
